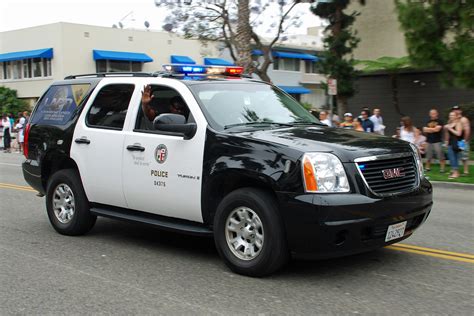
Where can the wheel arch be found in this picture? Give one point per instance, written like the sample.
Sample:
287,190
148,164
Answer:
54,161
227,181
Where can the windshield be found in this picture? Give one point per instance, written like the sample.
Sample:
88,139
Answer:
230,105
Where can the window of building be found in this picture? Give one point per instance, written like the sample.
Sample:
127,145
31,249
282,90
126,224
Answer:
311,67
26,68
118,66
288,64
110,106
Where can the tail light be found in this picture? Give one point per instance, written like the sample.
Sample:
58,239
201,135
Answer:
25,140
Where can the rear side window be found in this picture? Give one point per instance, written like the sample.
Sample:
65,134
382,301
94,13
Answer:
110,106
59,104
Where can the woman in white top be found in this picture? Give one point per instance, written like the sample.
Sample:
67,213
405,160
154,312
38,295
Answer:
6,133
407,132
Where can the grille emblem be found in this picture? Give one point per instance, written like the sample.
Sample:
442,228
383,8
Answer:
393,173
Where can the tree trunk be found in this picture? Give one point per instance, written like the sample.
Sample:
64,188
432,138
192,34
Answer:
341,106
244,36
394,83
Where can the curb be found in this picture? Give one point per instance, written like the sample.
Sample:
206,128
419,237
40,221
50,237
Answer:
452,185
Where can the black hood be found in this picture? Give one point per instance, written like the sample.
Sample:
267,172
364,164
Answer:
346,144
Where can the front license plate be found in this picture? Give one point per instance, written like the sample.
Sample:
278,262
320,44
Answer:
395,231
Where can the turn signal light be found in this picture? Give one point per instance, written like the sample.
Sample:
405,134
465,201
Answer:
309,176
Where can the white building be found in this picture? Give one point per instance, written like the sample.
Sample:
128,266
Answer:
32,58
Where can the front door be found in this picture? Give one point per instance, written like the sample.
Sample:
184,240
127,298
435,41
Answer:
162,173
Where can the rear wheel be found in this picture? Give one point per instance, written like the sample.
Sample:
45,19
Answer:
249,234
67,204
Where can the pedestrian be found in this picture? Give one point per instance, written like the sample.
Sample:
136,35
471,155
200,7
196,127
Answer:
323,117
377,119
348,121
434,140
466,129
420,142
357,125
367,124
453,131
6,133
407,131
20,127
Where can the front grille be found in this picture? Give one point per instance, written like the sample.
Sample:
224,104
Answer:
372,172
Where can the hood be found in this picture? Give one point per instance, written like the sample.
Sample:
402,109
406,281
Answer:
346,144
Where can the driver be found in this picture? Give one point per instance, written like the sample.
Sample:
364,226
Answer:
177,105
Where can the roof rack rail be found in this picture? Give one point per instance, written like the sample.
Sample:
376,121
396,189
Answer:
112,74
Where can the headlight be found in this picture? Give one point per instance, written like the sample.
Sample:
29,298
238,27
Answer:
419,163
324,173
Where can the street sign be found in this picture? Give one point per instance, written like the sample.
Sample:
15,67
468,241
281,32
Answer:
332,86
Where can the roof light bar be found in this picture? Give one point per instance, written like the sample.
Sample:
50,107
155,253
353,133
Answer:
203,70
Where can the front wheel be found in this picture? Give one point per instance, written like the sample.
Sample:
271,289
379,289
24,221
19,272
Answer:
249,234
67,204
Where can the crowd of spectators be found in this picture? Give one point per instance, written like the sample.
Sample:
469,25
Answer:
13,128
434,140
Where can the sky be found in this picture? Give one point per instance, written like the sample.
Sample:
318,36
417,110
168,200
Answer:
16,14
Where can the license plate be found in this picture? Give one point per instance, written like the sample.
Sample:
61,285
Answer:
396,231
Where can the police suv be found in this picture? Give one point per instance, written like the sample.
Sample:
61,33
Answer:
203,151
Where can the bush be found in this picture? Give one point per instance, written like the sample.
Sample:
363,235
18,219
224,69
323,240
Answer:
9,102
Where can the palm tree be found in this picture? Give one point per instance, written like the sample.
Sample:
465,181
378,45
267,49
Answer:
392,66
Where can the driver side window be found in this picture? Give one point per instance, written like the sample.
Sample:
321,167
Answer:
162,99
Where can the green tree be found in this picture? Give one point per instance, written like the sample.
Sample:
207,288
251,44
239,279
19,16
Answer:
337,61
9,102
391,66
439,34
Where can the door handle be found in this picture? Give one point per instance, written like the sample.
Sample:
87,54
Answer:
135,148
82,140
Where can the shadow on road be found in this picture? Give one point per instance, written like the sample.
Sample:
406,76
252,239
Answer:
202,248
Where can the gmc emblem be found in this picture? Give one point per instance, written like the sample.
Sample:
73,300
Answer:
393,173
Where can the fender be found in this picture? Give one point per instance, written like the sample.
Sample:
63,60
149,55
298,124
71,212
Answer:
232,162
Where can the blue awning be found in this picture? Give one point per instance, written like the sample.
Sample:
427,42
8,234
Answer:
295,89
27,54
175,59
295,55
257,52
217,62
124,56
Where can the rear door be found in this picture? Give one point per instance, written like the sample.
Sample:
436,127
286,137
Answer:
98,141
162,173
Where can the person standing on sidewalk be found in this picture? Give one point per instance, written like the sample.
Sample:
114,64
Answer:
377,119
466,129
367,124
6,133
407,131
434,139
454,133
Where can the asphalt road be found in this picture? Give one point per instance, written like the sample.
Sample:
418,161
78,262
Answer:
122,268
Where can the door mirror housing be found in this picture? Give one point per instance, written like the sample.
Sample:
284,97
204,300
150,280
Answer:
174,124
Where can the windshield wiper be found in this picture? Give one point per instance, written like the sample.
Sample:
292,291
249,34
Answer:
257,123
308,123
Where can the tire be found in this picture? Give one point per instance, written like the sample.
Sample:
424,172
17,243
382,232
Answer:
263,234
61,186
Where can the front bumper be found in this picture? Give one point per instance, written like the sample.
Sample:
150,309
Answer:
333,225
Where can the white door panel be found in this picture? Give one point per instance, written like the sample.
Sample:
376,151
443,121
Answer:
100,161
171,187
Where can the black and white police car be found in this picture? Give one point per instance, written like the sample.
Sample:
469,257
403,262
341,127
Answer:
240,160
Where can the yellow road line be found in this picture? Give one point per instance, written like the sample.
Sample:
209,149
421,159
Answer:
442,252
16,186
431,254
29,189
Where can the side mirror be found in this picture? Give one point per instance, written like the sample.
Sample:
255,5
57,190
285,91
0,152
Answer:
174,123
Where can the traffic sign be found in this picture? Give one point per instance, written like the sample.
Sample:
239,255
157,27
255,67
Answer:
332,86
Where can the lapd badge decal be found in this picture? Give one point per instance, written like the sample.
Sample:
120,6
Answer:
161,153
